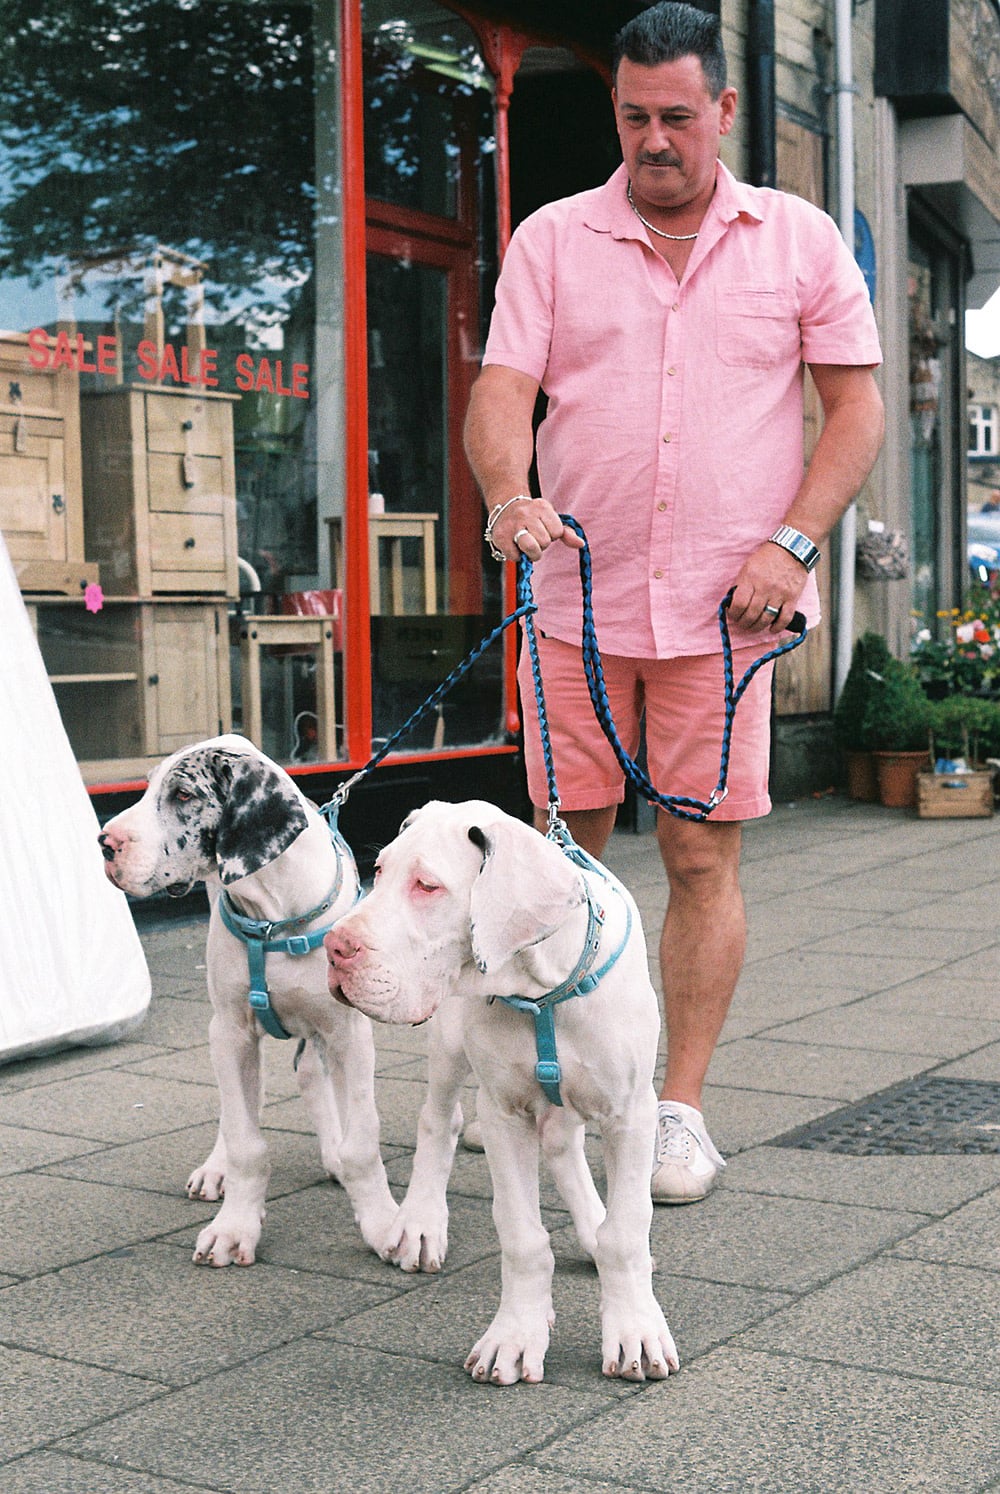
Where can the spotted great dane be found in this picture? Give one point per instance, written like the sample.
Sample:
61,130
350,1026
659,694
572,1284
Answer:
472,910
222,813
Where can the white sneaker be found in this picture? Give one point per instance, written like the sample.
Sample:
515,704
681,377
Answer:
685,1162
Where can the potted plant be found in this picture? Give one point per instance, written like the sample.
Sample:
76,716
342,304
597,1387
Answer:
898,722
965,734
864,678
967,726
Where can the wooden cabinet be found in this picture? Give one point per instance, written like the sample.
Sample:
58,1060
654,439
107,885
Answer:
160,485
136,680
41,493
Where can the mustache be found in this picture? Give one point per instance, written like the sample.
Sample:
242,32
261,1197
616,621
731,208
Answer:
664,158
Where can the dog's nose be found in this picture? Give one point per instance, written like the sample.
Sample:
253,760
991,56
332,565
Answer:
340,948
108,848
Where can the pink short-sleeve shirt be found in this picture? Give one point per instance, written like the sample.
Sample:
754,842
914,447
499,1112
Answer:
674,427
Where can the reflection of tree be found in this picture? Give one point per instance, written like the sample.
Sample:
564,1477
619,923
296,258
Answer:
426,94
187,122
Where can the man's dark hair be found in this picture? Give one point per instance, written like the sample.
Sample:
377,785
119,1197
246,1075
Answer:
669,31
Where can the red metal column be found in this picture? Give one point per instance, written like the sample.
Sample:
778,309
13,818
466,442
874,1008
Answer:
357,631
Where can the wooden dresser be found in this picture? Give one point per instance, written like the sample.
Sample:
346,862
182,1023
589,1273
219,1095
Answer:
41,492
160,481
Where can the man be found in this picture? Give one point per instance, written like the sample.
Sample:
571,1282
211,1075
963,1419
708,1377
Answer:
667,316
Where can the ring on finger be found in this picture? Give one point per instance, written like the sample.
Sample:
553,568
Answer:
519,532
771,611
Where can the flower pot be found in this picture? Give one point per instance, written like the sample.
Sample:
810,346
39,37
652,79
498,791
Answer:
862,778
897,777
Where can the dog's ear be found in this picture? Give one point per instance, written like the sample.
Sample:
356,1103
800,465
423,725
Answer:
525,890
262,814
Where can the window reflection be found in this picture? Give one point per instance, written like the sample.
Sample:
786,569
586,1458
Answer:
163,191
425,89
429,157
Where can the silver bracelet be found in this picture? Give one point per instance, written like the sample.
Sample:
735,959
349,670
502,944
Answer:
494,516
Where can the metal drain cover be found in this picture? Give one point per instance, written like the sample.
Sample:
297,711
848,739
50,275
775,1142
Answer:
923,1117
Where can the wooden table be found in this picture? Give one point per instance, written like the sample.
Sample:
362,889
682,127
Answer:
293,633
392,529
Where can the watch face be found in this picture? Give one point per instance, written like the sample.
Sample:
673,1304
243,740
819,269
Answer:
797,544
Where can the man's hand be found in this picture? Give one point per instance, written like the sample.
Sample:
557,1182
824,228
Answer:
528,527
767,589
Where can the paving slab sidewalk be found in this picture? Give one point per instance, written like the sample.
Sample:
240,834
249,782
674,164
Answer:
838,1316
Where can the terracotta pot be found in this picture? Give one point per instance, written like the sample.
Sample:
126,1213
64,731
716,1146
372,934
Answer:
897,777
862,777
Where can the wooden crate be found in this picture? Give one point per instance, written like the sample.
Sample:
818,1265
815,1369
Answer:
950,796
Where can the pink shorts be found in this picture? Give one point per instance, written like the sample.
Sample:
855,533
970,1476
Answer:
684,704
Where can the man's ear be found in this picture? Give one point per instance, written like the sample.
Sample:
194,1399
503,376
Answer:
262,814
524,891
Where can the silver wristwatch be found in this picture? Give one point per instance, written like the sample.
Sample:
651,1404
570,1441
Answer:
797,544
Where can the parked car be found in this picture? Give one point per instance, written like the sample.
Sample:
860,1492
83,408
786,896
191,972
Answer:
983,547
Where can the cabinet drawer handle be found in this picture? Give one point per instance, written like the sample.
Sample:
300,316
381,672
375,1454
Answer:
189,543
154,679
58,503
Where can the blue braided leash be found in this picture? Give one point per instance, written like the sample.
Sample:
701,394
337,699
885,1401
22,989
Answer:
677,804
582,980
680,805
341,793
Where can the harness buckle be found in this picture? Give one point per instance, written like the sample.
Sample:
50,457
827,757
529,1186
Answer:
547,1071
298,944
260,1001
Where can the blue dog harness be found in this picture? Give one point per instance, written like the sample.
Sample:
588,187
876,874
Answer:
583,979
263,937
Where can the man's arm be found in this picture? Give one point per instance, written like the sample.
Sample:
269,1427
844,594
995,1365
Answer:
853,426
500,446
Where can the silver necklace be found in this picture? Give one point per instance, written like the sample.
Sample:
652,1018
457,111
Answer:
678,238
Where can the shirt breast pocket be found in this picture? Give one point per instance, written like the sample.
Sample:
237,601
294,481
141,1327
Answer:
757,327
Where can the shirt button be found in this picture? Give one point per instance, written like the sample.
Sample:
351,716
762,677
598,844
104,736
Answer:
676,306
658,575
671,372
662,507
667,437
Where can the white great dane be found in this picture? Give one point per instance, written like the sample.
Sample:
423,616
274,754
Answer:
471,907
222,813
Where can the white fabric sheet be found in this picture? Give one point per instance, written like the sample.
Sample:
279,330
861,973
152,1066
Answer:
72,968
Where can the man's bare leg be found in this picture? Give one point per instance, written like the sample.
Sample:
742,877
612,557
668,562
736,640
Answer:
702,946
701,955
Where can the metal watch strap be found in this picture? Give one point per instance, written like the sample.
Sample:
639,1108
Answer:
494,515
797,544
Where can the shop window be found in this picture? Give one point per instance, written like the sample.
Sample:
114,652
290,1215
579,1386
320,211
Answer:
431,231
936,458
171,387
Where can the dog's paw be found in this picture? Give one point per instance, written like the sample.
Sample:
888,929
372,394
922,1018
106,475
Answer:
228,1241
416,1241
637,1345
511,1349
206,1182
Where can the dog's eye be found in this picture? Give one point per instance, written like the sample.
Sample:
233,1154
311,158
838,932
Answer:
183,796
427,886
